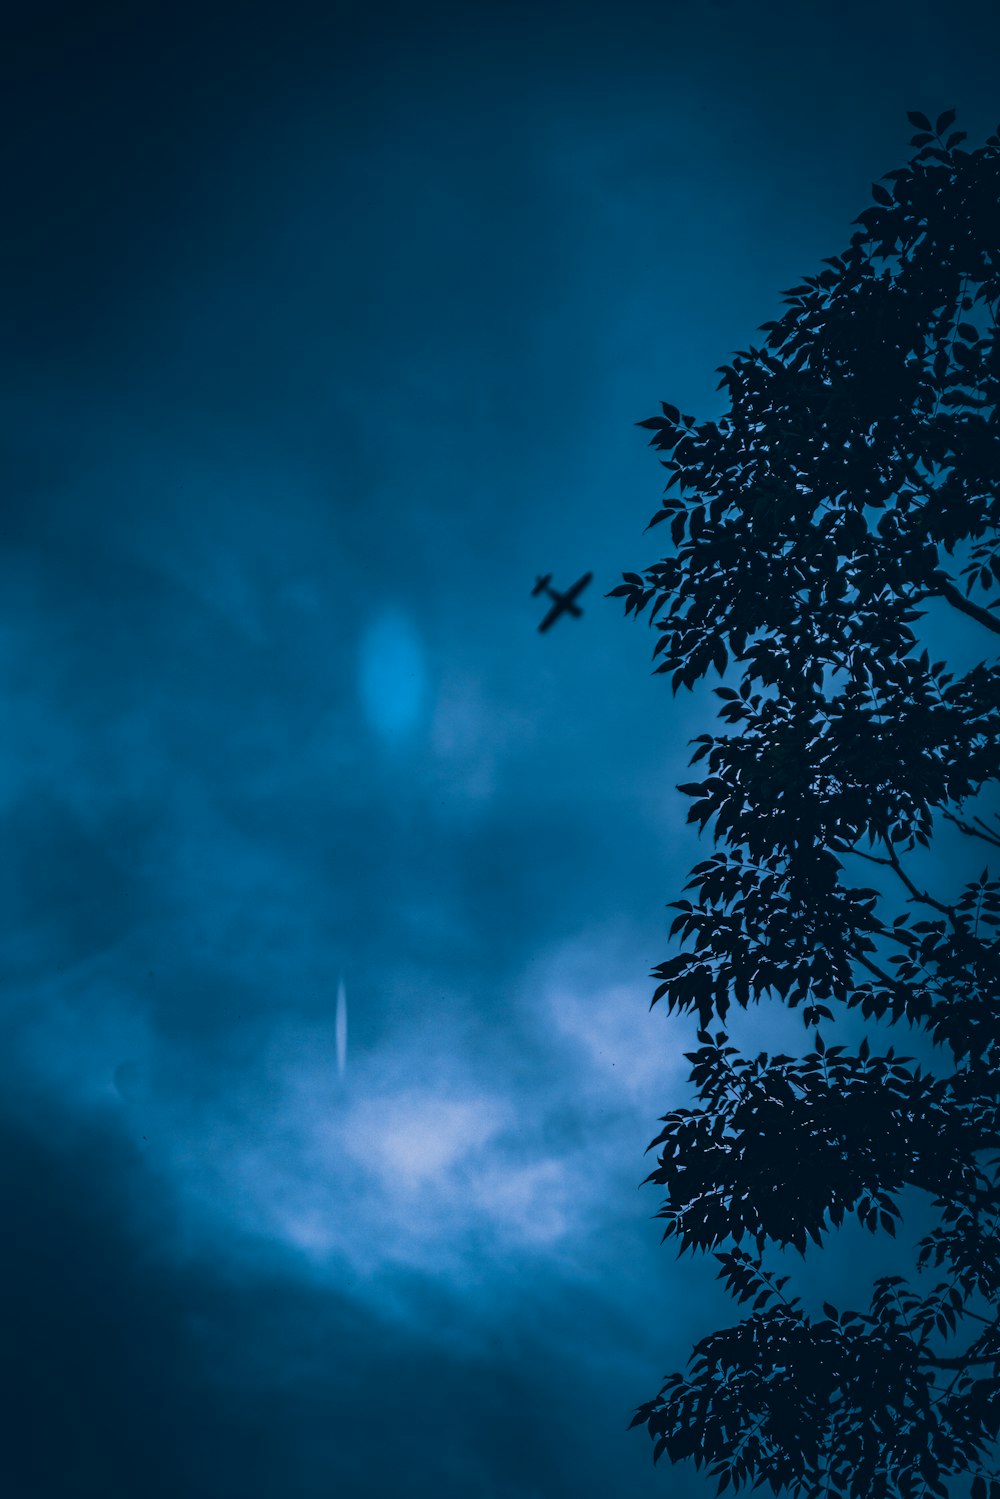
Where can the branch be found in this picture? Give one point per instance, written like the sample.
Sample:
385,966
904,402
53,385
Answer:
892,862
922,895
963,1362
880,973
970,1357
984,1320
982,831
897,934
872,858
966,606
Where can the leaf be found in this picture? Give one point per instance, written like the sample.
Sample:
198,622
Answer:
719,657
943,121
919,120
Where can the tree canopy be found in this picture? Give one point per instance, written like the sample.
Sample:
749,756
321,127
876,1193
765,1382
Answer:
847,497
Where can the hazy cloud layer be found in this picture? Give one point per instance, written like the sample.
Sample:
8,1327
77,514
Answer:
325,334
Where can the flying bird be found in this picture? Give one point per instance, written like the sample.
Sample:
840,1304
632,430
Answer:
564,602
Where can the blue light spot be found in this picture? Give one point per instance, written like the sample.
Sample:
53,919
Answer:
393,677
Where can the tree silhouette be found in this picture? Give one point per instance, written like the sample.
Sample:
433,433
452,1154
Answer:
847,501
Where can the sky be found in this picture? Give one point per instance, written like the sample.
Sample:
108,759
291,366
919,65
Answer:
325,330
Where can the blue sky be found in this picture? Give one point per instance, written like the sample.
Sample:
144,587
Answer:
326,331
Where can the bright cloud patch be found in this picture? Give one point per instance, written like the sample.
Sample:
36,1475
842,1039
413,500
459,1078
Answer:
450,1148
418,1139
438,1174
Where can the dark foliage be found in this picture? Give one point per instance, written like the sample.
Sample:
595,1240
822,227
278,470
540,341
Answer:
854,478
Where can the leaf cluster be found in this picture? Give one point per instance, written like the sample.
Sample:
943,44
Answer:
852,482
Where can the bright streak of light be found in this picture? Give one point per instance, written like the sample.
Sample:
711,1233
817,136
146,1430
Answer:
341,1029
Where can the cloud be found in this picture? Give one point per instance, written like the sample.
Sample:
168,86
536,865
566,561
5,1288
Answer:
417,1160
448,1149
474,735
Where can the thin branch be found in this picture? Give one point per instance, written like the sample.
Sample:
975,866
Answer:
892,862
982,832
966,606
872,858
961,1362
986,1321
897,934
880,973
921,895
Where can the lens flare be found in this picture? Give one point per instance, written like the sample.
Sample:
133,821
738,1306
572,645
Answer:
393,677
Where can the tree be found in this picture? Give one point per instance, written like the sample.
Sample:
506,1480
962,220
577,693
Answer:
846,500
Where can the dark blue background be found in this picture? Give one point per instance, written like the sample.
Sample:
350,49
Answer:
324,330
